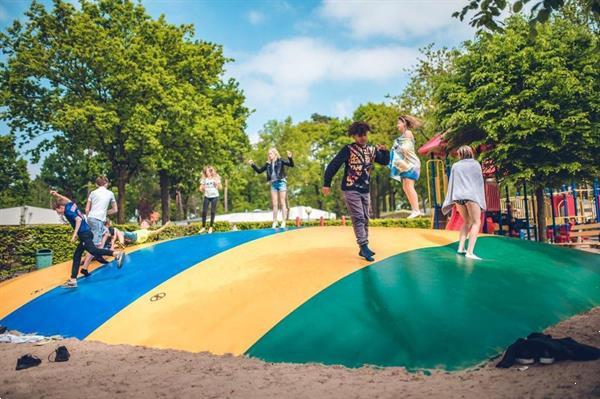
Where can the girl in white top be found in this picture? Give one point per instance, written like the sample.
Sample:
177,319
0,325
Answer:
210,186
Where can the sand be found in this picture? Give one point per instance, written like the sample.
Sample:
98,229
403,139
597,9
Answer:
97,370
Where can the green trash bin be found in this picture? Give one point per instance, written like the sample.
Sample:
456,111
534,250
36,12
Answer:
43,258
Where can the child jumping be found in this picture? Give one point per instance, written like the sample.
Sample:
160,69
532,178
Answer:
81,230
275,167
405,165
358,158
210,186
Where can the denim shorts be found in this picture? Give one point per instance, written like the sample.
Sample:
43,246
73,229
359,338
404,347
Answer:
279,185
98,229
412,174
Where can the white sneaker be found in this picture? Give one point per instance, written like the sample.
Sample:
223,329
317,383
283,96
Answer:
472,256
414,214
210,230
274,225
202,230
283,224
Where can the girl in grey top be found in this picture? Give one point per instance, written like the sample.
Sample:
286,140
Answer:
466,192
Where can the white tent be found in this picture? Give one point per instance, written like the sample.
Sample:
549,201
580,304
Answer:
304,212
28,215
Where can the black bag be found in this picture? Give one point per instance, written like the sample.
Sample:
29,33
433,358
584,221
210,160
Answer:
61,354
27,361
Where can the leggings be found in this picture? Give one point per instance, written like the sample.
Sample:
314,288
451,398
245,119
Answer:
86,243
213,210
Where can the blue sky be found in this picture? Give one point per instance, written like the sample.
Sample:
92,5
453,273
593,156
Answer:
294,58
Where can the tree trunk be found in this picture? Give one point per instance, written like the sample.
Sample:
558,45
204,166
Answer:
121,183
319,196
164,195
541,213
226,196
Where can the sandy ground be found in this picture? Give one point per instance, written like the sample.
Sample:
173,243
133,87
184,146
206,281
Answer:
102,371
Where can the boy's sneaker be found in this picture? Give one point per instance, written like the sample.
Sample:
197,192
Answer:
274,226
369,250
283,224
70,284
472,256
210,230
528,360
85,272
119,259
202,230
364,252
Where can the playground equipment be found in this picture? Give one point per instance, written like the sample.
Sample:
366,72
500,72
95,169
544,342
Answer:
303,295
438,171
515,216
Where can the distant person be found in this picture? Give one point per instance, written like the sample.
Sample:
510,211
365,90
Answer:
81,230
275,167
100,203
405,165
467,193
210,184
359,159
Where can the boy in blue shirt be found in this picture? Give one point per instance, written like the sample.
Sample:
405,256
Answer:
81,230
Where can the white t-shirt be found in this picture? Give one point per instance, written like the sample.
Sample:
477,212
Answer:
211,187
101,199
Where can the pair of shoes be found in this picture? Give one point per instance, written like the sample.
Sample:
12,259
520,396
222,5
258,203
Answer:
85,272
414,214
70,284
366,253
274,226
119,258
472,256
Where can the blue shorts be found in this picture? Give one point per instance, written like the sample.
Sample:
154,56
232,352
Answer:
98,229
279,186
412,174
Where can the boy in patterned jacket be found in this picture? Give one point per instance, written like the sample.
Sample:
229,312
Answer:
359,158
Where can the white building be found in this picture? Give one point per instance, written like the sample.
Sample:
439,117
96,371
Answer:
28,215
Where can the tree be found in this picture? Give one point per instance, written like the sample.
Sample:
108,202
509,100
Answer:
105,76
490,10
14,178
532,100
72,169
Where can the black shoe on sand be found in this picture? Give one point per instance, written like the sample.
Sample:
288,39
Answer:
27,361
85,272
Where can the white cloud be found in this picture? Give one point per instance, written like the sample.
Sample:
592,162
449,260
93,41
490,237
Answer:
256,17
343,109
402,19
284,71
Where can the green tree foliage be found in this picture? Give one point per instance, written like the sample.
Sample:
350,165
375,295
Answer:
14,178
488,12
532,100
138,91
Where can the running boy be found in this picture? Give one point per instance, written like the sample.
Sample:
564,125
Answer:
81,231
358,158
